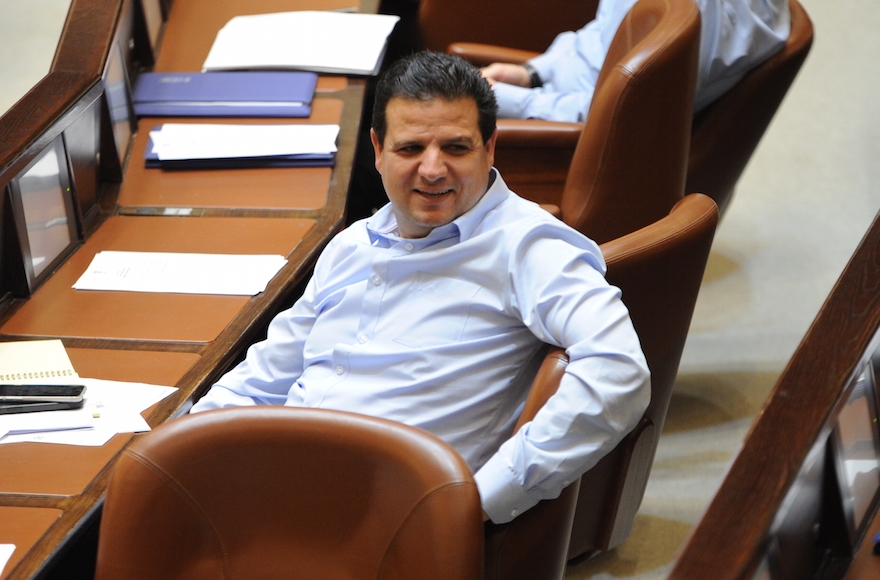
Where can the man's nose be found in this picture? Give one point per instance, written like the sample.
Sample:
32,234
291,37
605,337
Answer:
433,165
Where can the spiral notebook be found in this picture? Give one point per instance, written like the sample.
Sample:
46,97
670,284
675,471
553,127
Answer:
33,362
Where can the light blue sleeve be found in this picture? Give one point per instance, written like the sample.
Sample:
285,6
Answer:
563,298
569,70
272,366
522,103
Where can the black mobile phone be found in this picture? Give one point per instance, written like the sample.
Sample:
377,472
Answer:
33,407
42,393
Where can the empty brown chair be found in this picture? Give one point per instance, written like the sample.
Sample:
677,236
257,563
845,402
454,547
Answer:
279,492
628,168
659,269
727,132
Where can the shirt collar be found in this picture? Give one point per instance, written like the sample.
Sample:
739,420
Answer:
383,224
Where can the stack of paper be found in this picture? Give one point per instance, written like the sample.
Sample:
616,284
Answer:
181,273
206,146
110,407
324,42
225,94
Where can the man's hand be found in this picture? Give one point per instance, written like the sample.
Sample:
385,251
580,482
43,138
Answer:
511,74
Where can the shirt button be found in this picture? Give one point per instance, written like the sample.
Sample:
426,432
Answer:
514,513
409,246
339,370
362,338
377,280
565,483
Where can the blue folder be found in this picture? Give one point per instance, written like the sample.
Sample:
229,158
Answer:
225,94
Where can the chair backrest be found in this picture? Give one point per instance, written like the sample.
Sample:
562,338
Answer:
726,133
277,492
525,24
659,269
629,165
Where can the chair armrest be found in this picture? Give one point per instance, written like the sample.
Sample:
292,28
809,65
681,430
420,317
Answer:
532,133
485,54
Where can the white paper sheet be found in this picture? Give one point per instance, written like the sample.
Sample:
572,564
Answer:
181,273
110,407
328,42
179,141
6,551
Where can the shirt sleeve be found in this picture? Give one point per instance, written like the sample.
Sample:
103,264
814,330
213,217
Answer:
271,368
542,103
569,70
562,296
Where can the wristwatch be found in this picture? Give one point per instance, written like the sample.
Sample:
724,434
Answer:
534,77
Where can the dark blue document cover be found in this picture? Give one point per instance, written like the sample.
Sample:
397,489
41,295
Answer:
225,94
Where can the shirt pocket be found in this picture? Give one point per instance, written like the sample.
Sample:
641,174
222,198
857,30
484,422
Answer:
435,311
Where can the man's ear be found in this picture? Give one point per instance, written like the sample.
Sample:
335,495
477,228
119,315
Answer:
490,147
377,148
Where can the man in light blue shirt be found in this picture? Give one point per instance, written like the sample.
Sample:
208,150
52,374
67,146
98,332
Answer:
429,312
736,36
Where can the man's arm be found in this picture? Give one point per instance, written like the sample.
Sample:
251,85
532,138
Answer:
271,366
504,72
563,298
542,103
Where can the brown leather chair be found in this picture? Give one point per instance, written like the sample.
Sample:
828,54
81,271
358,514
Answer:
535,159
727,132
525,24
659,269
628,168
278,492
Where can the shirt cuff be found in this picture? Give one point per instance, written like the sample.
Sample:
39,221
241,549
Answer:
512,100
219,397
502,497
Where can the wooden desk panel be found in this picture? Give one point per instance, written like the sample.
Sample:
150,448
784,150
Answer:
58,310
142,366
57,470
64,470
23,526
301,188
193,25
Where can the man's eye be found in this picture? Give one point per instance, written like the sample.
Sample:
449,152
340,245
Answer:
409,149
457,149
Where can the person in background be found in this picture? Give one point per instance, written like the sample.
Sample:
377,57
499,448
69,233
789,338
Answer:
430,311
736,36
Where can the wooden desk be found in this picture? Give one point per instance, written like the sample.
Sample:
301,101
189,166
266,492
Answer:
49,494
57,310
279,189
46,491
23,526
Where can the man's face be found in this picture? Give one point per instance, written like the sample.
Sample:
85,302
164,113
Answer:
434,164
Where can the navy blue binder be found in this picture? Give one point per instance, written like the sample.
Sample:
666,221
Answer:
225,94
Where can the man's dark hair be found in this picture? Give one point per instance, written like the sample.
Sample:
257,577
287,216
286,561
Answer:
428,75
